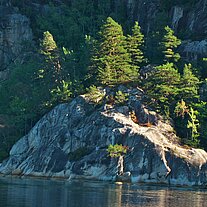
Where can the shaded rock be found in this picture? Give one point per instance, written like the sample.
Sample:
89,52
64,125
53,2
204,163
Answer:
14,32
194,50
143,114
17,172
126,177
146,71
143,11
184,18
177,14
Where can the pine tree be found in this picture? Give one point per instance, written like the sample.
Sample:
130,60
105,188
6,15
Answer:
169,44
51,53
112,59
134,46
49,49
162,85
48,45
54,75
62,93
189,84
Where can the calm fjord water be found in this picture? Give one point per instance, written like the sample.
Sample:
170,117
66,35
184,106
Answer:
47,193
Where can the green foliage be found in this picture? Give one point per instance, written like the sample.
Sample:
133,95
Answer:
201,108
155,37
59,21
48,45
26,96
112,59
58,73
62,93
20,107
95,95
135,45
117,150
121,98
17,92
162,84
181,120
193,124
181,109
92,72
189,84
169,43
51,53
154,52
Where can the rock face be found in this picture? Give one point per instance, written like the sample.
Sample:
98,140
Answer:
186,18
71,142
14,32
194,50
183,16
144,12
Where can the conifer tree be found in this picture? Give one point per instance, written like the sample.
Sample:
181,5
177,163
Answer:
134,46
56,81
48,45
112,59
189,84
169,44
162,84
51,53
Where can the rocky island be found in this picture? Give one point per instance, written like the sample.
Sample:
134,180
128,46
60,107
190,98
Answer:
53,52
71,142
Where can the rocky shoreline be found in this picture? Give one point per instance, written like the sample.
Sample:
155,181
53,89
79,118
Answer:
71,142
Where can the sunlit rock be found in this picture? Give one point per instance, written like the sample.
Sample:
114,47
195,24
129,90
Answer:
71,142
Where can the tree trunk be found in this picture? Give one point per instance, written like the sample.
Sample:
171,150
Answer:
120,165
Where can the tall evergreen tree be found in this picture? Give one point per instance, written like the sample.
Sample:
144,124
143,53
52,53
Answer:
54,77
112,60
134,46
169,43
189,84
52,67
163,85
48,45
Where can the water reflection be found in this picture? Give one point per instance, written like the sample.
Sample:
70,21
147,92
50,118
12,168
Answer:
46,193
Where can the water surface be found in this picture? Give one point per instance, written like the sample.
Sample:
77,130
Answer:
15,192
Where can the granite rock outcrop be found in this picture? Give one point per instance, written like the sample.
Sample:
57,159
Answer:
71,142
